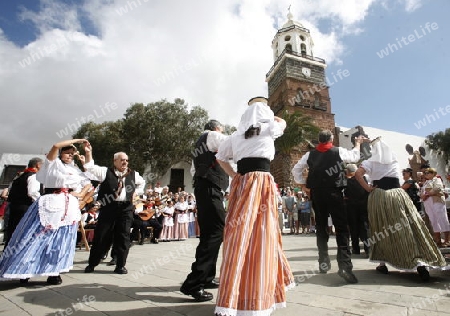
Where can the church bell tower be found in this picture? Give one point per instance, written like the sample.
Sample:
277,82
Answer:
297,81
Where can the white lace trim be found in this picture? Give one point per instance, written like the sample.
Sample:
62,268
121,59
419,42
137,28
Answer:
7,276
52,210
442,268
225,311
290,286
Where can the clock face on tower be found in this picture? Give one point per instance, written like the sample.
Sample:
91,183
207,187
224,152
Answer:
306,71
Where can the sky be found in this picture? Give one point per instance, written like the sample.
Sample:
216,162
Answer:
65,62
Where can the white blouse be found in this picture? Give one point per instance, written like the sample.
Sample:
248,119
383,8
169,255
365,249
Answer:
56,210
56,174
237,147
377,171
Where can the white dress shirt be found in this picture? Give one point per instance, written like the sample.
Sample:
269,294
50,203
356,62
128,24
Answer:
100,173
347,156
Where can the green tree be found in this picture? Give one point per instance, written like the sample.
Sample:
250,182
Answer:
155,136
440,142
105,138
300,129
161,134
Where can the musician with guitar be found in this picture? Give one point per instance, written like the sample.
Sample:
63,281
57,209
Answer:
145,215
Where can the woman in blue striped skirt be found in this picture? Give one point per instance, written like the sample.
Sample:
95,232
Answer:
43,243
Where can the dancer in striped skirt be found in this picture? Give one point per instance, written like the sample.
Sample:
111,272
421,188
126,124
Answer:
255,273
399,236
44,242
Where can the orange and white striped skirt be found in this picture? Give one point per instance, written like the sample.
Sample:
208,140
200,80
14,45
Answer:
255,273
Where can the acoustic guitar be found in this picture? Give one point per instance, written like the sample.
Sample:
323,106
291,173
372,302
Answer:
145,215
139,204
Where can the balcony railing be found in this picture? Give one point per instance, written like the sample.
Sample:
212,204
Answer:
291,52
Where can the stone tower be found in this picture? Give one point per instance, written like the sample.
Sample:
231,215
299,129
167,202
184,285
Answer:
297,82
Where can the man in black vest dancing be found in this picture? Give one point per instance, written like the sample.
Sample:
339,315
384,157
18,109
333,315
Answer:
209,182
25,189
325,182
117,189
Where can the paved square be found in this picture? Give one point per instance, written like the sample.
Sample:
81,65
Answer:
156,272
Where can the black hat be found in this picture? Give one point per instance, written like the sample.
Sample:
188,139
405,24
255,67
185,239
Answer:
257,99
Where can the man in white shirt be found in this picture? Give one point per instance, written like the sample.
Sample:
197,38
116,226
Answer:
25,189
118,187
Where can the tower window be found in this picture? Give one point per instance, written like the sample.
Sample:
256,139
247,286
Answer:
289,48
303,49
302,37
287,38
316,100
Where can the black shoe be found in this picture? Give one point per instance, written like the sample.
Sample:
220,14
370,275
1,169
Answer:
24,281
54,280
212,285
348,276
141,242
382,269
89,269
324,266
199,295
121,270
112,262
366,253
154,241
356,251
423,273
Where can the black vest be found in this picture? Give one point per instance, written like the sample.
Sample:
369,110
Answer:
206,166
18,193
108,188
326,169
355,192
413,191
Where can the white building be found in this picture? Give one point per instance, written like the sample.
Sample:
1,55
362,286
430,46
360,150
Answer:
11,163
397,142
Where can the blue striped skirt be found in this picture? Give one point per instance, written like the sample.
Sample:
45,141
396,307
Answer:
36,251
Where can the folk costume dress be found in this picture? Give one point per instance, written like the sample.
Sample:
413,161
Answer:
167,233
435,205
182,227
255,272
44,242
398,236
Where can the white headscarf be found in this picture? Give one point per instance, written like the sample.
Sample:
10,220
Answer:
381,153
255,115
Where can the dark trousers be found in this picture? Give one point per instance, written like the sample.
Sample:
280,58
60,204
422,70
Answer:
211,220
141,225
358,223
330,201
16,212
114,222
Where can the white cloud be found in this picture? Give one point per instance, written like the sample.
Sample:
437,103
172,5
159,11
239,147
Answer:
211,53
412,5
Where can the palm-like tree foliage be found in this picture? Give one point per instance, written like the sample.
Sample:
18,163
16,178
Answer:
300,129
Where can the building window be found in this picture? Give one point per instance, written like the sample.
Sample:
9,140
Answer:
287,38
316,100
302,38
288,48
299,97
